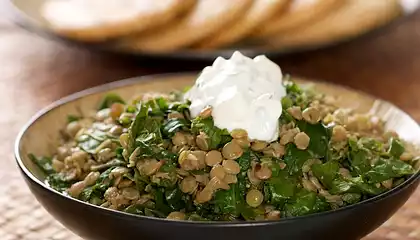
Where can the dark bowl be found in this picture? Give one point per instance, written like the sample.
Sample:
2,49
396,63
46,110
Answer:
92,222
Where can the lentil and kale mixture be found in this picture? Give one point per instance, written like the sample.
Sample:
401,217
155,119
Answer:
148,157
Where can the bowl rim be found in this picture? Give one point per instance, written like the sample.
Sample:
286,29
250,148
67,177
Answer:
169,77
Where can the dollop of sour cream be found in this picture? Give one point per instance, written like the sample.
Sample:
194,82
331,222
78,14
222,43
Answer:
244,93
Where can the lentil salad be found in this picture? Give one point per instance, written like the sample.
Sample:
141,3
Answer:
149,157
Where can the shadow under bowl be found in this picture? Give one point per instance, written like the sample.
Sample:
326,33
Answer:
40,136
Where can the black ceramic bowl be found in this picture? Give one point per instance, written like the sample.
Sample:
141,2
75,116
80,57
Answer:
92,222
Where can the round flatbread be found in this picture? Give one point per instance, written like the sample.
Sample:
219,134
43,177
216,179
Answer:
354,18
298,13
257,15
206,18
99,20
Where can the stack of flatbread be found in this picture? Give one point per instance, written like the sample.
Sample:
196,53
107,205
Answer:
171,25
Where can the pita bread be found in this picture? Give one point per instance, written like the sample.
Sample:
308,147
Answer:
206,18
258,14
353,18
99,20
298,13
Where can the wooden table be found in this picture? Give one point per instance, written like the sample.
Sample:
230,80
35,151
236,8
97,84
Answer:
35,71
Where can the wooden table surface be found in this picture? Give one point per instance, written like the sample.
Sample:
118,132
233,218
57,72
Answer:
36,71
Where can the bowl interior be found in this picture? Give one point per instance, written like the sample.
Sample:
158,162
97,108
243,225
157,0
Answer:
41,135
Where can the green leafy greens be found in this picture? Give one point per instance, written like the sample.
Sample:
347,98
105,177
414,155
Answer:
156,175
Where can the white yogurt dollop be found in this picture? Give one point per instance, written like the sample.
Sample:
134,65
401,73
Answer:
244,93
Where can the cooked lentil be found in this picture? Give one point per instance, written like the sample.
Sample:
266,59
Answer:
311,115
301,140
296,112
206,113
231,167
258,146
239,134
201,141
254,198
232,150
263,172
243,142
213,157
218,171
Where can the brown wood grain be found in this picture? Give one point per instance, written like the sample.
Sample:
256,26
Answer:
35,71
